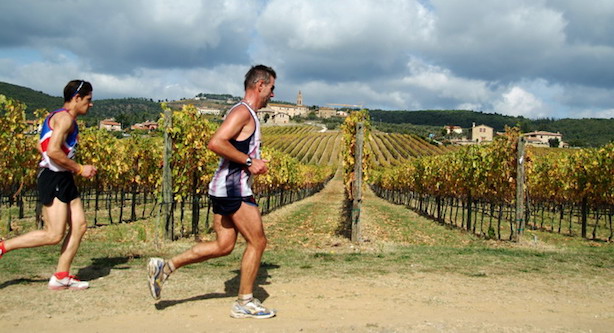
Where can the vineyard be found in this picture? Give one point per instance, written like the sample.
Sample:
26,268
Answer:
471,188
474,188
127,186
311,145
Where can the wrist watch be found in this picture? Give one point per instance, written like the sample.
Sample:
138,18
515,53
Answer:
248,161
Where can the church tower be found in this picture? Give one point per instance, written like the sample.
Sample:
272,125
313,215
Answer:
299,98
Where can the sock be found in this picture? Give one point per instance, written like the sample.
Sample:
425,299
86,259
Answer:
168,268
61,275
245,298
2,248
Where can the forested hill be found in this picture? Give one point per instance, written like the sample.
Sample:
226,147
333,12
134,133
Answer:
577,132
33,99
127,111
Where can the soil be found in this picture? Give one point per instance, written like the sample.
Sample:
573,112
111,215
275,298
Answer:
421,302
415,302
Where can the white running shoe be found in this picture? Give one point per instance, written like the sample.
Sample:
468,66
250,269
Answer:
253,309
156,276
69,282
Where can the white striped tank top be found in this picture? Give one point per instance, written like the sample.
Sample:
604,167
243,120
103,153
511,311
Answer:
232,179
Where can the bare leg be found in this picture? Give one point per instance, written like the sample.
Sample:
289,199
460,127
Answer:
55,217
226,237
78,226
249,223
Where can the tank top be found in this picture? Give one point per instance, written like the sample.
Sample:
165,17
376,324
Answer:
233,179
68,146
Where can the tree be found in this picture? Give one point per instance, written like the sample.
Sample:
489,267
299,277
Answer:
554,142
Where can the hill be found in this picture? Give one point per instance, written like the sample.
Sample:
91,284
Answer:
33,99
577,132
587,132
127,111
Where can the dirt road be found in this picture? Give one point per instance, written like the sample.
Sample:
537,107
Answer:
416,302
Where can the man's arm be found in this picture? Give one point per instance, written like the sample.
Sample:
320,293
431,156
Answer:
61,124
236,123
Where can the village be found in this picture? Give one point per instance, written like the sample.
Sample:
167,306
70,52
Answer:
284,113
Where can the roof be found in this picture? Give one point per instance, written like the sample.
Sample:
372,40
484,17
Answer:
543,133
109,122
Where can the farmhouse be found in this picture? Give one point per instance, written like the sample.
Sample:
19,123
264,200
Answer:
481,133
202,110
110,125
268,115
453,129
327,112
542,138
148,125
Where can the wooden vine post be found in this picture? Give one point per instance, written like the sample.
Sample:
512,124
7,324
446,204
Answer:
167,181
520,198
357,184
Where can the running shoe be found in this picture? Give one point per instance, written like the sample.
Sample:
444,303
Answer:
156,276
69,282
252,309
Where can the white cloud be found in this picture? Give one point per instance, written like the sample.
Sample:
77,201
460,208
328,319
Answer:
530,57
607,114
519,102
442,82
333,41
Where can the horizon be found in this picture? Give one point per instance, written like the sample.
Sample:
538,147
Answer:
389,110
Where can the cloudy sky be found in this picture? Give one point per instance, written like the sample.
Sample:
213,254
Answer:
535,58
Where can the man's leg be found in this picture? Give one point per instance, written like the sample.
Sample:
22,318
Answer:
224,243
158,269
55,217
78,226
248,222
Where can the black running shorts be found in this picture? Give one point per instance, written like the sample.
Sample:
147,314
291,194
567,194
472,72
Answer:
228,206
59,185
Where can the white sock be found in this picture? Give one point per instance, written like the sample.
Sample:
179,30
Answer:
245,298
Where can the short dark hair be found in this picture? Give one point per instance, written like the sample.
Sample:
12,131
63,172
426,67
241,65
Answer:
257,73
74,87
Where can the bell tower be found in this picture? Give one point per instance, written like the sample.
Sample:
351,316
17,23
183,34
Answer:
299,98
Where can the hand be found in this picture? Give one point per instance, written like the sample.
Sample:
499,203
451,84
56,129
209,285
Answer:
89,171
258,167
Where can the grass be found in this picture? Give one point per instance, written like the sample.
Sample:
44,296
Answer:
303,240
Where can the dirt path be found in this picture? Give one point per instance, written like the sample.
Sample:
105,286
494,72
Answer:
416,302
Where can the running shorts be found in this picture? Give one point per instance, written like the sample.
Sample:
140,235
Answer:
59,185
229,205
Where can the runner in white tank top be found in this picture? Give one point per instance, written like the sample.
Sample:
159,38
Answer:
235,210
233,179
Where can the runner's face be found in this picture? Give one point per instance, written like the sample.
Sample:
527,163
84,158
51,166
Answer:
268,91
84,103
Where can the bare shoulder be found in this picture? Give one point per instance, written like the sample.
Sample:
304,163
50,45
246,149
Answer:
239,112
61,121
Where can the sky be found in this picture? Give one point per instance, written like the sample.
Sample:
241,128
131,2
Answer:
531,58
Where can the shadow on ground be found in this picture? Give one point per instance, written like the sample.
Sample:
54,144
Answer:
231,288
21,281
101,267
98,268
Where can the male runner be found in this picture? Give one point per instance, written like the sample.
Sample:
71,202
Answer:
56,186
237,142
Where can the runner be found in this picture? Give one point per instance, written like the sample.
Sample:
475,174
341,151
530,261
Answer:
56,186
237,142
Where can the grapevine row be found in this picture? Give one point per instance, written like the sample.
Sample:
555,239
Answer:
476,177
132,166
